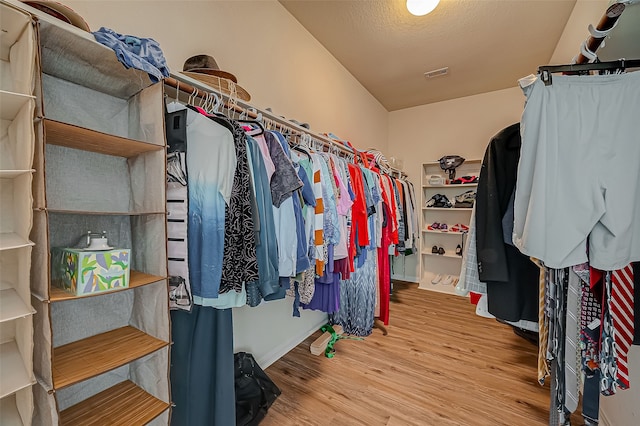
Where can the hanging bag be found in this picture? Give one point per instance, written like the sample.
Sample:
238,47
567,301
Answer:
255,392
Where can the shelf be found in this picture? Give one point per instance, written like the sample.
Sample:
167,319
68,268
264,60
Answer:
437,163
90,357
443,233
11,240
10,174
462,185
447,289
136,279
12,306
10,104
12,23
121,405
70,136
451,256
9,412
449,209
91,213
14,374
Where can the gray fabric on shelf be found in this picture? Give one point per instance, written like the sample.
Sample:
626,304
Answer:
82,180
96,315
73,394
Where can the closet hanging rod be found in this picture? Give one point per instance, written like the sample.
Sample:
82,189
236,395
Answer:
606,24
190,86
622,64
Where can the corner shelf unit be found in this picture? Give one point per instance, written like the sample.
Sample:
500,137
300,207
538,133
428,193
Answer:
99,160
432,264
17,139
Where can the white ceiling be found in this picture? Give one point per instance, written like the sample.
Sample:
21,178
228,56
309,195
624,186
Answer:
487,44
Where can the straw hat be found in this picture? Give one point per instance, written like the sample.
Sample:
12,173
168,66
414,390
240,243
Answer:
204,68
60,11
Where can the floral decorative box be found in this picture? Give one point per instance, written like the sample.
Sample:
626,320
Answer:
83,272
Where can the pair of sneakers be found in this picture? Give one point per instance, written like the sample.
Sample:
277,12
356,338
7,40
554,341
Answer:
445,279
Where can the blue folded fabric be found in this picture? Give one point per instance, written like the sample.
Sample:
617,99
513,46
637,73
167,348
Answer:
135,52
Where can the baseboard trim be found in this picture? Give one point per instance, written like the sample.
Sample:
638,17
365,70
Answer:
404,278
269,358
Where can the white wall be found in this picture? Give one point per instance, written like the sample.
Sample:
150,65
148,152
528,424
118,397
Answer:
283,67
460,126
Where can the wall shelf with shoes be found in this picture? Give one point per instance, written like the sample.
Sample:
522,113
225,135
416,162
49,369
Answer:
446,214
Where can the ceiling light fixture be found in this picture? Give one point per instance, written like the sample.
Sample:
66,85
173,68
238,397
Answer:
421,7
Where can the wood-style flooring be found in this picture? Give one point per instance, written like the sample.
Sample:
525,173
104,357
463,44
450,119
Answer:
439,365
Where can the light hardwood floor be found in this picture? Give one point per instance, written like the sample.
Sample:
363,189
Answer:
439,365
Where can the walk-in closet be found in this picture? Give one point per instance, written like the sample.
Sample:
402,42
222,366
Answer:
314,212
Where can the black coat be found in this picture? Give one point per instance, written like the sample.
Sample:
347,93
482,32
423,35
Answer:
511,277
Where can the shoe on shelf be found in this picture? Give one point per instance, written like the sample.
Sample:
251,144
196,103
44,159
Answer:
443,227
455,281
448,280
434,249
434,226
459,250
459,227
440,250
436,279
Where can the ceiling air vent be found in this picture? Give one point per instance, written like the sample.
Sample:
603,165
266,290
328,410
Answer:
437,73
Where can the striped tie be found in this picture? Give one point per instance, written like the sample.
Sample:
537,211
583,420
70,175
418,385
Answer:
622,314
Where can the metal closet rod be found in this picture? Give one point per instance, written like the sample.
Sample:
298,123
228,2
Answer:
201,91
193,87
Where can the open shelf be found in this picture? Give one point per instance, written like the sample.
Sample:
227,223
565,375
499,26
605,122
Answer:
461,185
9,412
12,306
452,256
14,374
85,212
136,279
71,136
12,23
90,357
10,174
121,405
443,233
449,209
11,103
11,240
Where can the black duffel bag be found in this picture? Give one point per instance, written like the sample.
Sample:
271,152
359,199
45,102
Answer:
255,392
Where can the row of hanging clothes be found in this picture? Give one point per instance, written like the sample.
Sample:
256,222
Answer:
554,243
258,212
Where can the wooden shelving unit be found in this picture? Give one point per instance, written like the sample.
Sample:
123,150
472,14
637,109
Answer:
71,136
432,264
136,279
107,408
81,360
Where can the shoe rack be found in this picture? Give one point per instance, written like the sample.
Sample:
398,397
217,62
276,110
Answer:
445,262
